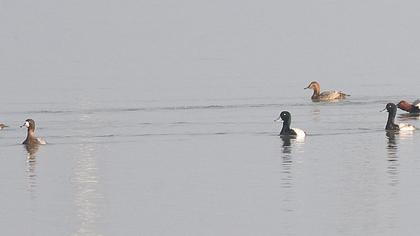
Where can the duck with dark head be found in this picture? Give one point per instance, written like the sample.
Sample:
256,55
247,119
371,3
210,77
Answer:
31,140
391,108
286,130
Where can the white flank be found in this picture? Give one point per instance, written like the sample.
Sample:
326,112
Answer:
299,133
406,127
417,103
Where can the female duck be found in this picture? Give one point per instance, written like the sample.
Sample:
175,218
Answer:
412,108
326,95
30,137
2,126
390,125
286,130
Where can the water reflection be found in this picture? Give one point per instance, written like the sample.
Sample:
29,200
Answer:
86,183
31,150
316,114
287,176
286,147
291,142
287,164
392,152
409,116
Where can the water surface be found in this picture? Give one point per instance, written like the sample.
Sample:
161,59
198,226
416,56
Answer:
159,118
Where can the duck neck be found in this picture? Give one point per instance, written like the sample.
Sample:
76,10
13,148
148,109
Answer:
390,125
286,127
317,91
31,133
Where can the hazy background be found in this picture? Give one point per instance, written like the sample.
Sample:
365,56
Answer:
159,117
203,49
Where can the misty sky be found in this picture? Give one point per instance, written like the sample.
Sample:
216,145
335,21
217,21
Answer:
172,49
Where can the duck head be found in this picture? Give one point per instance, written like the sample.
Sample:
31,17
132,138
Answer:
30,124
390,107
284,116
313,85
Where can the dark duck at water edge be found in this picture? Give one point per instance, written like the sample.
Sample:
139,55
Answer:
286,131
411,108
30,137
326,95
391,108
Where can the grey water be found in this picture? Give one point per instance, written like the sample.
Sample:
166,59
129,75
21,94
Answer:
159,118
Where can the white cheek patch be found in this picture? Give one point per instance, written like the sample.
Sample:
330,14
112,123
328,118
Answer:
27,124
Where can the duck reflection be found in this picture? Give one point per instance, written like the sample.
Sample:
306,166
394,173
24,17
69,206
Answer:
316,114
31,150
290,147
409,116
289,143
392,143
287,175
392,152
286,147
287,161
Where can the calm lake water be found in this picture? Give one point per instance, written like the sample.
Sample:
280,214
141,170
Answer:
159,118
209,167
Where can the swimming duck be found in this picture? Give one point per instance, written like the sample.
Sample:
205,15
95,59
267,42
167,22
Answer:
390,125
412,108
30,138
326,95
286,130
2,126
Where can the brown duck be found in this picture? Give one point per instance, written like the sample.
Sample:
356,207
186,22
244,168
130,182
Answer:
30,137
408,107
326,95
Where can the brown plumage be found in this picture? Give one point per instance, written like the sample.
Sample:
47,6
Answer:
30,137
326,95
408,107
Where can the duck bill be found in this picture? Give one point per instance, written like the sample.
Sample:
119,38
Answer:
26,124
383,110
276,120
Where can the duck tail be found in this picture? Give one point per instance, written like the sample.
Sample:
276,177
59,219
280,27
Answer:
345,94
